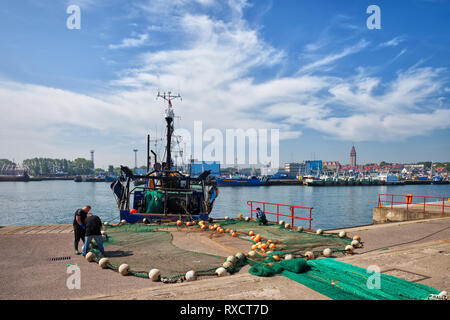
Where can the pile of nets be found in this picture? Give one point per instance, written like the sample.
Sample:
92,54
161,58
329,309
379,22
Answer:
343,281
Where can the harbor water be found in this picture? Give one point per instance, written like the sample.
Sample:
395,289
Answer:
54,202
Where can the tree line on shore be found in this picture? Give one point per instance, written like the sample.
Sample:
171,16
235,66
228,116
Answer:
53,167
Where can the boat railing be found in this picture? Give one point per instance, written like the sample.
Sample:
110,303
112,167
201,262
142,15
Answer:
266,206
412,201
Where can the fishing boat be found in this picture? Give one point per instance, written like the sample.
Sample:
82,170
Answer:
313,181
282,178
166,194
238,180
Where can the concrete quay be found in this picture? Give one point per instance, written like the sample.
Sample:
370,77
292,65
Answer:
406,212
417,251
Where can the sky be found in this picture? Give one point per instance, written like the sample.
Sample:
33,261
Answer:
312,69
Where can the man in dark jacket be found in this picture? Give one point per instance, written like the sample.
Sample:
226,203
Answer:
79,225
261,216
93,231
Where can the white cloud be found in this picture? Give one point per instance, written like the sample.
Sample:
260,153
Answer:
393,42
130,42
333,57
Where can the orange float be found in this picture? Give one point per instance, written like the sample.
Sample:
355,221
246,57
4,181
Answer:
179,223
234,235
272,246
251,233
258,238
276,257
203,227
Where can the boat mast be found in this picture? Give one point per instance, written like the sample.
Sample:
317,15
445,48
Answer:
169,120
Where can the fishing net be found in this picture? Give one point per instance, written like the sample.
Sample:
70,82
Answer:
149,246
289,240
146,247
342,281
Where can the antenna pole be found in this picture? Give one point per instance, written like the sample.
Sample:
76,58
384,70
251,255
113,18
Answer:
169,120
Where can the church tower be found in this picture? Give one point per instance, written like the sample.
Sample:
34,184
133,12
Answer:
353,157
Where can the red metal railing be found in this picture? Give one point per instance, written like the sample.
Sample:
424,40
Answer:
291,208
409,201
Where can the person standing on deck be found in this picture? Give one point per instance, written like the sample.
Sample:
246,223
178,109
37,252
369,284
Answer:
261,216
79,226
93,231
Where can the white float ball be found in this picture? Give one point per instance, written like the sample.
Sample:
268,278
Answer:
191,275
106,223
90,256
103,263
154,275
357,238
309,255
247,219
221,271
104,237
355,243
300,229
287,226
123,221
145,220
124,269
281,222
342,234
251,254
349,249
231,259
288,257
327,252
319,231
443,294
227,265
227,218
240,256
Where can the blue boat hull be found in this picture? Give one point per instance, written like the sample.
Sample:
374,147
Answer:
240,182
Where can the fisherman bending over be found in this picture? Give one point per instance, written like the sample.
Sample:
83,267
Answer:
261,216
79,225
93,231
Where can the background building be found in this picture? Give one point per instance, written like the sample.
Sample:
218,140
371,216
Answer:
313,167
294,168
353,157
197,167
331,165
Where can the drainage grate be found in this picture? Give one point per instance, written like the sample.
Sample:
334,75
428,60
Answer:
59,258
